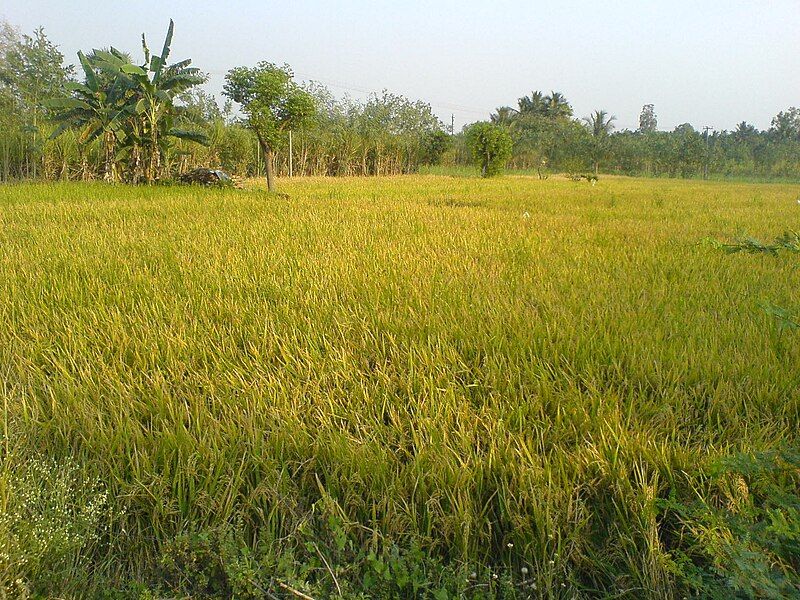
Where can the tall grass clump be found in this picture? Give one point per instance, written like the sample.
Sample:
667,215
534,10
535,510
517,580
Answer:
399,387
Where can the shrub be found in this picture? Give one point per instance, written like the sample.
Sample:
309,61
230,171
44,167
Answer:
490,146
52,515
747,543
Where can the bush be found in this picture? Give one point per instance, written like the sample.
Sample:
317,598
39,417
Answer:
53,514
490,146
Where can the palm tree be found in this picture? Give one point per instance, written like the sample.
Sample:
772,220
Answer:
557,106
156,86
132,106
504,115
600,124
535,104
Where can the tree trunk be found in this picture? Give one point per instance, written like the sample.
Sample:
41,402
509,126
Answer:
270,175
154,161
268,156
108,162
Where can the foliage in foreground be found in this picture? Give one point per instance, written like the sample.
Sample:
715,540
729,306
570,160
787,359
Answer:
737,537
788,242
53,517
745,541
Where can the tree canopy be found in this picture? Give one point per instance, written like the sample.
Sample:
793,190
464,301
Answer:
272,102
490,146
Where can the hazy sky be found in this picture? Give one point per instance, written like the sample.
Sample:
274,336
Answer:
708,62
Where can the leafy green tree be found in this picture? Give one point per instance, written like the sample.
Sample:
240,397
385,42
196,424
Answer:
648,122
397,129
689,150
434,145
504,115
745,132
786,125
31,70
156,86
131,106
535,104
557,106
272,103
490,146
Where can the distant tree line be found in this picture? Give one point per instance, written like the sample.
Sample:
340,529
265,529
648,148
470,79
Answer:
120,119
547,137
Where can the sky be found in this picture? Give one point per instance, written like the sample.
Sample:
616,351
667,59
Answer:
707,62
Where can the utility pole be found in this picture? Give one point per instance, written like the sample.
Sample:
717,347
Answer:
290,153
452,124
706,129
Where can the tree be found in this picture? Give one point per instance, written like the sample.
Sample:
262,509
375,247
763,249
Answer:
648,122
535,104
156,86
490,146
744,132
557,106
31,70
600,124
434,145
272,103
786,124
689,150
504,115
554,106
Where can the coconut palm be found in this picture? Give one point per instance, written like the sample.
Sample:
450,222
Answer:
600,125
535,104
504,115
556,106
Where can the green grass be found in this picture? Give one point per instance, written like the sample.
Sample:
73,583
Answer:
506,374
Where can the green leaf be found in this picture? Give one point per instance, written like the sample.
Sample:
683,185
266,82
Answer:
133,70
91,133
59,130
109,58
167,42
88,69
192,136
66,103
74,86
156,65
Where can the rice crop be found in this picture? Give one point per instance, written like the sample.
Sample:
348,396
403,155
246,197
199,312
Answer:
505,373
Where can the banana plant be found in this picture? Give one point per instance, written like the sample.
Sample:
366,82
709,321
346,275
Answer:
156,85
131,106
96,108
